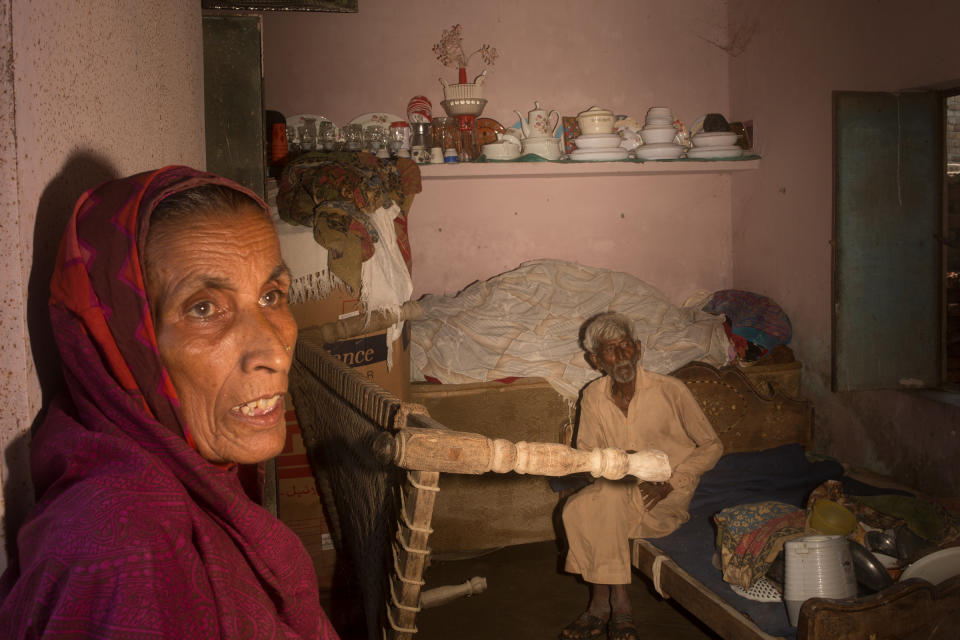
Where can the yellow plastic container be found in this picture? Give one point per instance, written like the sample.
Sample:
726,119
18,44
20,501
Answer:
832,518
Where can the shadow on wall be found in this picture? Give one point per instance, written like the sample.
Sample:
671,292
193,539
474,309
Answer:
82,170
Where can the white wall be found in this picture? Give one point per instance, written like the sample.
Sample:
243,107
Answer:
793,55
92,90
625,55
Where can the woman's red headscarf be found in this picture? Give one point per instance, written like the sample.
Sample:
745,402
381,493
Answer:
135,534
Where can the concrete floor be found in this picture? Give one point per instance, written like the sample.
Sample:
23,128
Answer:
528,597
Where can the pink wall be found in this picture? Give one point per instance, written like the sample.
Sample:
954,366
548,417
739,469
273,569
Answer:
96,90
794,55
627,55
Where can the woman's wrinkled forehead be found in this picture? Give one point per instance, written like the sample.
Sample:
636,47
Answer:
183,191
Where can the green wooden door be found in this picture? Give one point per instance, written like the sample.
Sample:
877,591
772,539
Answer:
233,99
887,273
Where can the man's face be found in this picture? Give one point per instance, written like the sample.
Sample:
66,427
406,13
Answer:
618,358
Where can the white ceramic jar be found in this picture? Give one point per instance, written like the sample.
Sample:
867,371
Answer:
595,120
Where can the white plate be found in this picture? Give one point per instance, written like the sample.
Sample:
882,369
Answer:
716,152
598,155
714,139
597,141
659,151
377,117
935,567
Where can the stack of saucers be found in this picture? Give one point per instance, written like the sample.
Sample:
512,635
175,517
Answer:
660,137
598,147
714,144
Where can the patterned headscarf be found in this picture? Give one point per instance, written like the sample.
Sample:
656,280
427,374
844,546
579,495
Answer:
134,534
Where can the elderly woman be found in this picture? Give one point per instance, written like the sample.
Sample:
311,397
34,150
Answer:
169,307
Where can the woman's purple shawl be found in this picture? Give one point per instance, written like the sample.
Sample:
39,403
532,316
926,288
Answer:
134,535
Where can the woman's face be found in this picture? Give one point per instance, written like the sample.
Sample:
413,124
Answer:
218,291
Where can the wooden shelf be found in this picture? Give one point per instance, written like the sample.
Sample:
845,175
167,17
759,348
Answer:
567,169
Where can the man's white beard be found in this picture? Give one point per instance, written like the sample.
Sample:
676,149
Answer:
623,371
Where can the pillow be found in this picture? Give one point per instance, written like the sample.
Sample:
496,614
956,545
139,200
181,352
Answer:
754,317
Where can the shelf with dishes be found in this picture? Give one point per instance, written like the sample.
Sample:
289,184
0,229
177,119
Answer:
570,168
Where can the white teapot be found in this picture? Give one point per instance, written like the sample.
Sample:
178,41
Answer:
537,124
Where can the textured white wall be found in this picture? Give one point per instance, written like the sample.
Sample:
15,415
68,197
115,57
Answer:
89,91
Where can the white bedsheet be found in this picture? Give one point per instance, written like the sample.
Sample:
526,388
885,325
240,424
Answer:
526,322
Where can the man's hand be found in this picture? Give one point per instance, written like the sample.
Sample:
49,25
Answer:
653,492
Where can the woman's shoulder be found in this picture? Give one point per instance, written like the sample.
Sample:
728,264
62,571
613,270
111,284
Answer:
97,513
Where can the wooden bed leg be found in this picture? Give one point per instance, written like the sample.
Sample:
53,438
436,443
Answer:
448,593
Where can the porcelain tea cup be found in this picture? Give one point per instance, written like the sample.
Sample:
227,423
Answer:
420,155
545,147
596,120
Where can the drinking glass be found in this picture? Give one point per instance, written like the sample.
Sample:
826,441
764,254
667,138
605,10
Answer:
327,136
308,135
353,136
445,133
374,137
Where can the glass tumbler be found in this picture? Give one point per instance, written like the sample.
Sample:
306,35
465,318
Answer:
308,135
374,137
327,136
468,148
445,133
353,136
399,136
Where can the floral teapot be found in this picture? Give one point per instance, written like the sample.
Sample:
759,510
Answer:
537,124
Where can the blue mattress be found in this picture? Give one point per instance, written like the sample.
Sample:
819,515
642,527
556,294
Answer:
782,474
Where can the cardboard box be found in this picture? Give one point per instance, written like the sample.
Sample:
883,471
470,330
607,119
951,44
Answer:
367,353
298,502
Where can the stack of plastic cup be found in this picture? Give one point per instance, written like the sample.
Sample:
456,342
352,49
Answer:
817,567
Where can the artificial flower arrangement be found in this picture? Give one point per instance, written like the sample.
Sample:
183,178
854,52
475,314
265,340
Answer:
450,53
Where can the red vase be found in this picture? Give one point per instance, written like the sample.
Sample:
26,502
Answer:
463,75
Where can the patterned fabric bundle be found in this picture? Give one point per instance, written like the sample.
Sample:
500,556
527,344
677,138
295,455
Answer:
754,317
135,534
335,193
751,535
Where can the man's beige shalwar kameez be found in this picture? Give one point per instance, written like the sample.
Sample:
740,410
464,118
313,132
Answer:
602,518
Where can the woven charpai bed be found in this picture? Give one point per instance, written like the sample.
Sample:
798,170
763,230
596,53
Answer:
357,438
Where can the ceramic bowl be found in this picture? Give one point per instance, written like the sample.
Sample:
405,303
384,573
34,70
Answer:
714,139
656,135
596,120
597,141
464,91
501,151
464,106
548,148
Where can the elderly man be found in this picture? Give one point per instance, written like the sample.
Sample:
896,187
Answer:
632,409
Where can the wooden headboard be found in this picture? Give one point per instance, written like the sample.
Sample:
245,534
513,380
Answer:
744,419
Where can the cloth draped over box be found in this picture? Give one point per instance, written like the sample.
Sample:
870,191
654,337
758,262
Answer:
526,323
355,207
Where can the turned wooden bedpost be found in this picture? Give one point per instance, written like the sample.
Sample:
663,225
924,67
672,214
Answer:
449,451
